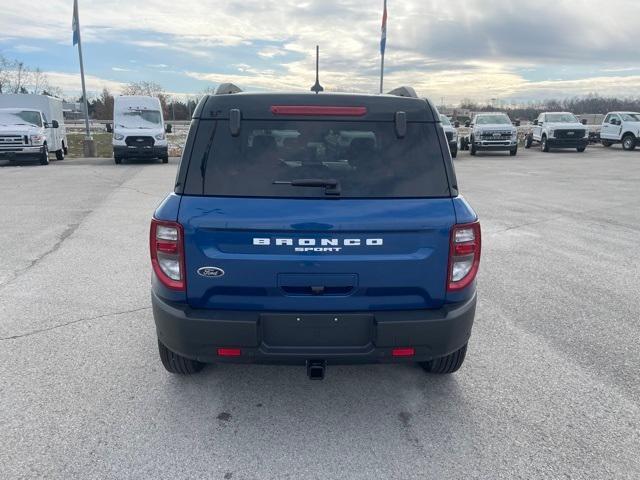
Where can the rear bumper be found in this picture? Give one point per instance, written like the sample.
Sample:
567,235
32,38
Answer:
567,142
197,334
140,152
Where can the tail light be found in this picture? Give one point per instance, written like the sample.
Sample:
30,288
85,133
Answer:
464,256
167,253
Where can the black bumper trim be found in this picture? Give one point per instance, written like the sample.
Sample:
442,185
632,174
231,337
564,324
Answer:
567,143
140,152
197,334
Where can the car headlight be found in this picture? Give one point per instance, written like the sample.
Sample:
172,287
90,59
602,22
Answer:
160,136
551,132
38,139
118,136
514,134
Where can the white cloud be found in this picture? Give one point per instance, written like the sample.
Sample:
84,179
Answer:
71,85
27,49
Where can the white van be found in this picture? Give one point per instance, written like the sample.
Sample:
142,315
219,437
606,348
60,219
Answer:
31,126
138,129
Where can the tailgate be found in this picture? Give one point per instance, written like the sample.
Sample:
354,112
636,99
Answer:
316,255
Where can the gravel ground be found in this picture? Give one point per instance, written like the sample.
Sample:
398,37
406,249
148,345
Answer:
550,388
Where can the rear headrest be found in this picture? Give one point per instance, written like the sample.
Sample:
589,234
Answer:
264,142
366,144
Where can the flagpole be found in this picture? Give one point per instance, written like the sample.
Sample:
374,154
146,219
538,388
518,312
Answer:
88,145
383,44
381,72
84,89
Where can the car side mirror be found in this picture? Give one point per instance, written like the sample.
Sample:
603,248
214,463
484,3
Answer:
467,124
516,123
583,121
535,122
456,124
168,128
53,124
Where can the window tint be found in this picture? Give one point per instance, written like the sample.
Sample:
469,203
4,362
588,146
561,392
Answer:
492,120
365,158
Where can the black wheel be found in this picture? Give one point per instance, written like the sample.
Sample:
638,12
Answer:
175,363
44,156
472,147
606,144
544,145
629,142
60,154
118,160
65,149
454,152
528,141
165,159
581,149
513,152
447,364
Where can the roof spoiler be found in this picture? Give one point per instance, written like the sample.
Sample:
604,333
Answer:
227,89
404,92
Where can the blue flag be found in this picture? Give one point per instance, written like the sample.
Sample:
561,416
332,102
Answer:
383,40
75,25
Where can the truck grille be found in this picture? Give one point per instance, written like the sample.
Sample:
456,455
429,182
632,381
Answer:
139,141
13,140
497,136
569,134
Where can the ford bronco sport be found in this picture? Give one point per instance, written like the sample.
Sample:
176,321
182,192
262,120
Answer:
314,229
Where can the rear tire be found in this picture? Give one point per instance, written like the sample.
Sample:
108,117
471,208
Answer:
513,152
65,149
165,159
60,154
178,364
44,156
454,152
581,149
606,144
473,147
448,364
629,142
117,160
544,145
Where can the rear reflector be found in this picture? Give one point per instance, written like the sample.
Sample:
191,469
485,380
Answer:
229,352
403,352
311,110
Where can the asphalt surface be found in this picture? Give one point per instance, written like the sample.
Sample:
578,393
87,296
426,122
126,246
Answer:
550,388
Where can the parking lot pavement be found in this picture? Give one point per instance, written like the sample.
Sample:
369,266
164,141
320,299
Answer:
550,388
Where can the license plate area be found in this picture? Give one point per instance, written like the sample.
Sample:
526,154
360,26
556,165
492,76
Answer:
316,330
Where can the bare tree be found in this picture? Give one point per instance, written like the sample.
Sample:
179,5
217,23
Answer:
149,89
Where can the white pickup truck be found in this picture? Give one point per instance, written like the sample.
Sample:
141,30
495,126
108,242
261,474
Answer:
491,132
558,130
621,127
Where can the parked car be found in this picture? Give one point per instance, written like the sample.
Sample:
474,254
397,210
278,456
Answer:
351,244
452,135
558,130
31,126
138,129
621,127
492,132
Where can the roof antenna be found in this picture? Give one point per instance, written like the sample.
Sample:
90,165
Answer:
317,87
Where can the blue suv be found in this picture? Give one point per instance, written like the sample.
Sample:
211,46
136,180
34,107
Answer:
314,229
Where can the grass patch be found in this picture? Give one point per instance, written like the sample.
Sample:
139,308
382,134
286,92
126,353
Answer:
103,144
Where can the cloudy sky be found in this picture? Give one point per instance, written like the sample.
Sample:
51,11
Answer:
480,49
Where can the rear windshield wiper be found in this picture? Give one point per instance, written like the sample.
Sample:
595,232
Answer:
331,186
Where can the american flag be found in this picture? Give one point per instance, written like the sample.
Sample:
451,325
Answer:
383,40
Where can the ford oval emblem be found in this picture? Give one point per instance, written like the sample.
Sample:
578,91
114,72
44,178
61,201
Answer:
210,272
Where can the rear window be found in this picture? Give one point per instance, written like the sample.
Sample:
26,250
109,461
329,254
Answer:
364,160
